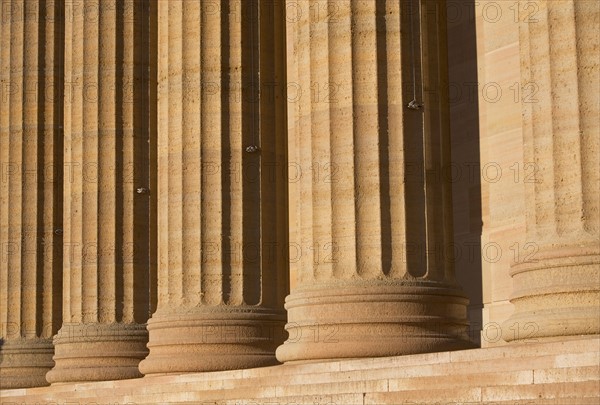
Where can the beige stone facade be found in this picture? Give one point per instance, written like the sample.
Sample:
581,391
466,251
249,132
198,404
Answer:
371,192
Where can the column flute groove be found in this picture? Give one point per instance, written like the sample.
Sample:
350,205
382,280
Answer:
222,274
106,267
31,62
556,289
373,283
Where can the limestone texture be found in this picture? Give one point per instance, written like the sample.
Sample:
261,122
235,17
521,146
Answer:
542,373
30,190
106,228
556,291
222,206
376,276
193,191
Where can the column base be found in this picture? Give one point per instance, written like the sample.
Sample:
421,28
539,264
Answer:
25,362
374,320
557,295
213,339
98,352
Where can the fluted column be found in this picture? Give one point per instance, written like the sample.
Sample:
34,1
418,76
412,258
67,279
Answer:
106,305
31,202
376,274
222,274
556,290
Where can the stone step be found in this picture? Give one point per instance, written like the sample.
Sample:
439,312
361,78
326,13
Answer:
533,349
520,394
540,356
548,391
526,371
357,399
543,401
484,387
503,371
544,366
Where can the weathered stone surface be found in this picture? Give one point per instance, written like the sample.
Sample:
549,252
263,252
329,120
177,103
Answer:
223,272
376,276
557,290
24,362
501,168
106,272
520,373
369,211
30,189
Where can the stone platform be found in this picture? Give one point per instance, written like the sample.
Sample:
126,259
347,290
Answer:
565,372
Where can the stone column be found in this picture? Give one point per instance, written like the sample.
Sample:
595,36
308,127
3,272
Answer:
556,277
222,269
106,300
30,183
376,274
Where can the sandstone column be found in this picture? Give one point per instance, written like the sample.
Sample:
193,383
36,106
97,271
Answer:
556,281
376,274
106,305
30,199
222,270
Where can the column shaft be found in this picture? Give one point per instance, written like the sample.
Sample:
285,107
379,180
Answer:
556,287
376,274
222,271
31,202
106,260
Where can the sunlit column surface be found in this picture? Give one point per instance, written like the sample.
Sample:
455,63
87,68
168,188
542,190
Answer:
376,274
222,242
106,258
556,288
30,184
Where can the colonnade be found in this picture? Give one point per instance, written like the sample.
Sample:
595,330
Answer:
99,167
